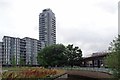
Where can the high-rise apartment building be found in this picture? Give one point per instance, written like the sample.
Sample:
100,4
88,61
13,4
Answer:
47,28
25,49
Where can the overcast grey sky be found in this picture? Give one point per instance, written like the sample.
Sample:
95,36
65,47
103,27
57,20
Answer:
89,24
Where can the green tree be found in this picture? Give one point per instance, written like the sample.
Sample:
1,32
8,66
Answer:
113,59
22,61
73,54
52,55
13,61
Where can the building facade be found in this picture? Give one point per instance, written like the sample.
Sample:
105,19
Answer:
1,52
11,50
17,49
47,28
96,60
32,48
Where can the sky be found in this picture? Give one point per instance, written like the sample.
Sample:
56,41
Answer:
89,24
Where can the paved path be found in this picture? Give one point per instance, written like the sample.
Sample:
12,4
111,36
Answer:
89,74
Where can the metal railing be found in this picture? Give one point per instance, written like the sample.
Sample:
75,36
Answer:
105,70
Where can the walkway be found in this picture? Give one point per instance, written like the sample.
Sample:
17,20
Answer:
90,74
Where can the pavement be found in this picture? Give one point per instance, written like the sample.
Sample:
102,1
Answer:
90,74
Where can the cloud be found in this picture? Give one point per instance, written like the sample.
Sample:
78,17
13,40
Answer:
108,6
87,39
89,24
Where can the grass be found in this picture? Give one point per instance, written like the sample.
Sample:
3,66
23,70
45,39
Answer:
12,68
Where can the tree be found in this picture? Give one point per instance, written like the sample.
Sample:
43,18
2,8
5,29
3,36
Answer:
113,59
13,61
73,54
52,55
22,61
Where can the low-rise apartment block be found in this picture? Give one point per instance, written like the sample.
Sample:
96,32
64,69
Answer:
17,49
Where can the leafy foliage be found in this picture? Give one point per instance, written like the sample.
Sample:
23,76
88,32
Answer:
73,54
13,61
113,59
52,55
22,61
59,55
